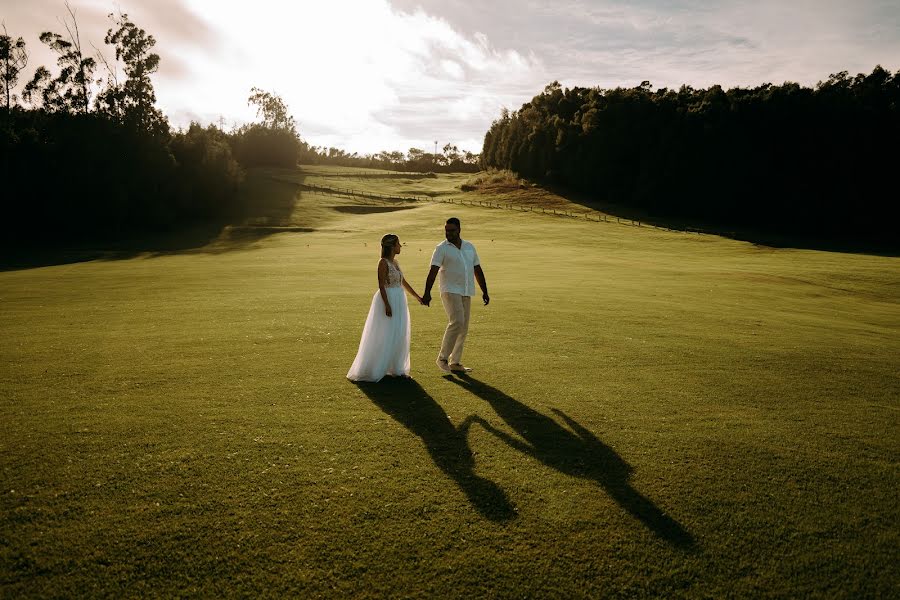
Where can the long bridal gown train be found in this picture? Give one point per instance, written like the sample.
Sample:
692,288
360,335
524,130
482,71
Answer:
384,346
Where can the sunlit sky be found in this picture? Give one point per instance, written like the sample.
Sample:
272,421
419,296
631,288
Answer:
370,75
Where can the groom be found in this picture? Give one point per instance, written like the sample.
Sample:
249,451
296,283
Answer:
459,266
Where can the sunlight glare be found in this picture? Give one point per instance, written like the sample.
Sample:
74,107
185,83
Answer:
339,65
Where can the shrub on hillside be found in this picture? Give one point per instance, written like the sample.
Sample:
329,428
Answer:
493,178
257,145
208,176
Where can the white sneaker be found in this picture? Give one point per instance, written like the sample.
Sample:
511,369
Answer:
442,365
458,368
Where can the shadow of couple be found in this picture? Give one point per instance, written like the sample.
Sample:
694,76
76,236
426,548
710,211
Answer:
574,451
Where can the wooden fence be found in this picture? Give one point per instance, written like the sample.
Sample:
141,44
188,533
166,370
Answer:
376,175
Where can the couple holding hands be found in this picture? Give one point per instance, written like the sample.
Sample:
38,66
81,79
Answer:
384,346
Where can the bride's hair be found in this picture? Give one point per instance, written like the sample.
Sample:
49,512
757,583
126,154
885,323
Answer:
387,242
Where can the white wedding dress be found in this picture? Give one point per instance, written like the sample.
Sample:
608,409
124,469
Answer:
384,346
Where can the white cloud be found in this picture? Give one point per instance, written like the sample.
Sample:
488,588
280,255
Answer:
344,66
729,42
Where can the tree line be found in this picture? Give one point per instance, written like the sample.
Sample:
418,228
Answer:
785,159
449,160
86,154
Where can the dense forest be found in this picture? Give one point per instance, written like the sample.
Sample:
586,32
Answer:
785,158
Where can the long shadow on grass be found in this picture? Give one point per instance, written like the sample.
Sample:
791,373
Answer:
411,406
578,453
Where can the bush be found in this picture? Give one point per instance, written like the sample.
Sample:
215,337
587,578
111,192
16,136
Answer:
257,145
494,178
208,176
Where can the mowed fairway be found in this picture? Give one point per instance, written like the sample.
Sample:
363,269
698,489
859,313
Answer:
652,414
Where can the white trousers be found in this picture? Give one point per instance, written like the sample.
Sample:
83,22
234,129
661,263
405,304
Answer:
458,308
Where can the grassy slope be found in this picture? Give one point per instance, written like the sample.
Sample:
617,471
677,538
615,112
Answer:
652,413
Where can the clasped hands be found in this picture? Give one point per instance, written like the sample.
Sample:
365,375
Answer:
426,299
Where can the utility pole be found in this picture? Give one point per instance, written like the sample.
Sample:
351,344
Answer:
434,156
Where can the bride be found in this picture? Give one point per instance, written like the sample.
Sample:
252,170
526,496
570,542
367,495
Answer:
384,347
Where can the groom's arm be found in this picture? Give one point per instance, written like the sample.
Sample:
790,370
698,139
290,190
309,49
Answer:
479,277
429,282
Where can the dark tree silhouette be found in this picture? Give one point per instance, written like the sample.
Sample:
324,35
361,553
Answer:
13,58
272,109
275,141
133,102
70,90
70,174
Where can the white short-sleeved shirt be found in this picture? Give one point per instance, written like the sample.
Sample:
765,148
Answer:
457,274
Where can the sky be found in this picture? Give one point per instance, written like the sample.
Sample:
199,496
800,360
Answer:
372,75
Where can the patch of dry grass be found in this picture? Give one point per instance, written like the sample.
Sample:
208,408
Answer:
494,179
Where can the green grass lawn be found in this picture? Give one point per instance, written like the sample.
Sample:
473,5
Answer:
652,414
